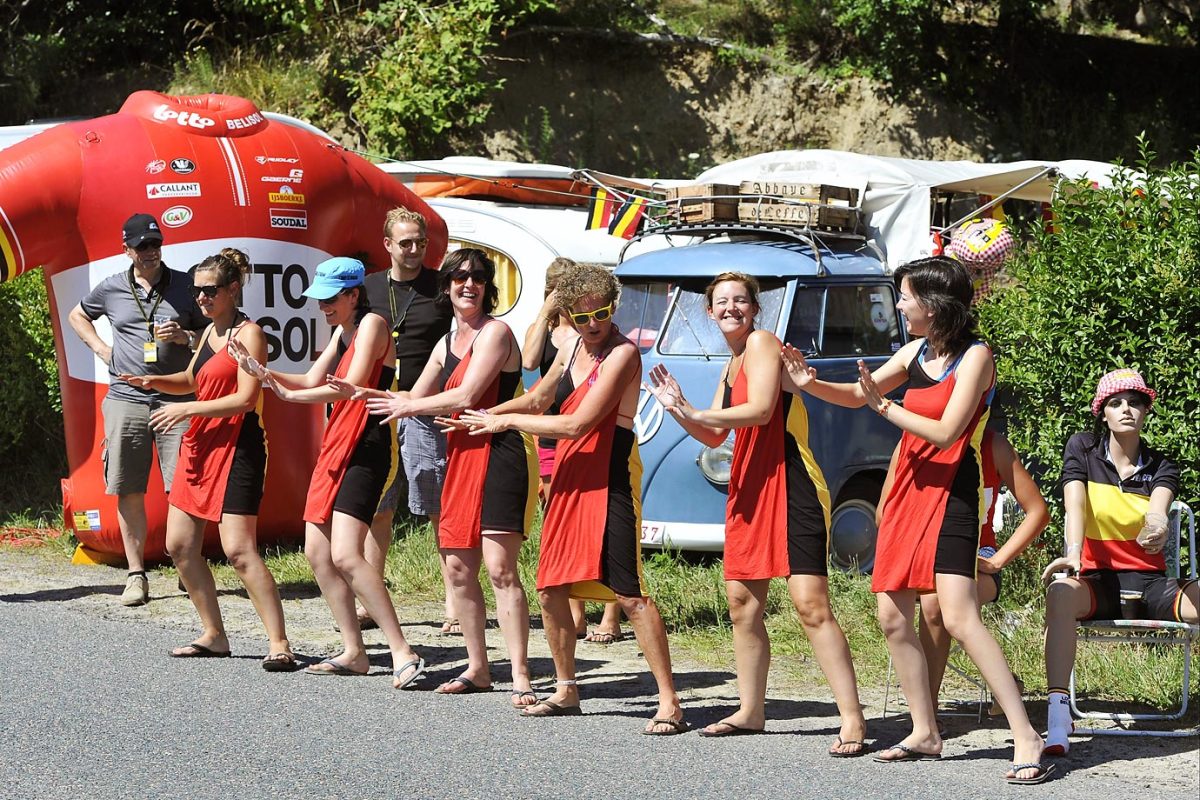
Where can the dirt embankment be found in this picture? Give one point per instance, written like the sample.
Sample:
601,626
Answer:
640,107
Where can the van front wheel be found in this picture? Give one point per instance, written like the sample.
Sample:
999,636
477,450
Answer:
852,528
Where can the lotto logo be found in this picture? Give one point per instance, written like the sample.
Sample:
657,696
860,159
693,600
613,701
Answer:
184,118
292,219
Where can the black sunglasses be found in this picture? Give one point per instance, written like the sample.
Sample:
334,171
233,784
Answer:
480,276
149,244
208,291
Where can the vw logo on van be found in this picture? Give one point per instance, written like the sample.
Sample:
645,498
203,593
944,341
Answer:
649,416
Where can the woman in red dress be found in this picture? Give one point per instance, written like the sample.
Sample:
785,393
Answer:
929,537
222,461
353,466
490,490
777,515
590,548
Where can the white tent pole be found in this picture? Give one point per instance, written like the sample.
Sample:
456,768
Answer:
1000,198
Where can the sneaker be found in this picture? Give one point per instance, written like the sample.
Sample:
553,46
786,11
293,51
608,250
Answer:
137,591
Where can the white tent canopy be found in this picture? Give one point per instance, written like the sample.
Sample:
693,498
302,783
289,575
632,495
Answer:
896,192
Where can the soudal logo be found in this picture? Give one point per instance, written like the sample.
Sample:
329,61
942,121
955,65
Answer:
185,119
156,166
287,197
176,216
183,166
248,121
157,191
292,219
275,160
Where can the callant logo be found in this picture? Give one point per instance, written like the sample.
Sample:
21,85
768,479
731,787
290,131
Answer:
155,191
287,196
186,119
156,166
291,219
176,216
183,166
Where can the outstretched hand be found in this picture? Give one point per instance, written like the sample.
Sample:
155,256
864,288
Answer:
245,361
169,415
870,389
140,381
665,388
389,405
451,425
480,422
797,367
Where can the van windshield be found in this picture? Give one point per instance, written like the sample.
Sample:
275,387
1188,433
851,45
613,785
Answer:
641,309
689,331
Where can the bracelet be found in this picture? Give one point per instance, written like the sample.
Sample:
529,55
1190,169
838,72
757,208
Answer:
1074,548
883,407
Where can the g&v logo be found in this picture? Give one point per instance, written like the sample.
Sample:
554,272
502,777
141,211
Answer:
649,416
185,119
176,216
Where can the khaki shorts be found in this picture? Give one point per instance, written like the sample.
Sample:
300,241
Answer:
128,441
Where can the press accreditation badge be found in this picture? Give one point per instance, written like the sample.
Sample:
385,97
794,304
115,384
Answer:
149,352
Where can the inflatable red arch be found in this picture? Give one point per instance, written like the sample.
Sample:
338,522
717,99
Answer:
216,173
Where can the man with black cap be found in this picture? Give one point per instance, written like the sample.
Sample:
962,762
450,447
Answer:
154,320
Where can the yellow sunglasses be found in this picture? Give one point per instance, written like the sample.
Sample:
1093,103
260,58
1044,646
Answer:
600,315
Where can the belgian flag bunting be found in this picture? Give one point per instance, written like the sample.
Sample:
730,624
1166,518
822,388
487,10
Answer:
629,217
600,209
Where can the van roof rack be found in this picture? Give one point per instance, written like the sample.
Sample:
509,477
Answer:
707,230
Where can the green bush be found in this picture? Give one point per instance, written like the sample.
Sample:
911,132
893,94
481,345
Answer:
1115,284
32,447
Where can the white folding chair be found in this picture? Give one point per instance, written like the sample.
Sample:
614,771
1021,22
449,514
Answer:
1166,634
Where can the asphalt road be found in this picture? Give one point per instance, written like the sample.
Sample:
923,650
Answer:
92,707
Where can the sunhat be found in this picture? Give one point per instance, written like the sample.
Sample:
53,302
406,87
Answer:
1117,381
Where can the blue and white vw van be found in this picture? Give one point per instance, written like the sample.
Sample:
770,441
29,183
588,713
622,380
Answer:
830,298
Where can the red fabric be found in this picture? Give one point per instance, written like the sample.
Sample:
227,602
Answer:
466,472
207,448
1116,554
991,488
577,511
345,427
912,519
756,512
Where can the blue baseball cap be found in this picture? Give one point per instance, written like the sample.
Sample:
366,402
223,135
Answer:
335,274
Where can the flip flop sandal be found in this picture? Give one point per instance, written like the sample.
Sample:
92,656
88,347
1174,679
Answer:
556,710
200,651
335,669
515,696
839,742
604,637
678,726
451,627
281,662
417,662
469,686
1042,774
909,755
730,730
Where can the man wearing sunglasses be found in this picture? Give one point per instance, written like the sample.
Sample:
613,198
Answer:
154,321
404,296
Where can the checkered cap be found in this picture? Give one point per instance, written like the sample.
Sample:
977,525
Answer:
982,245
1117,381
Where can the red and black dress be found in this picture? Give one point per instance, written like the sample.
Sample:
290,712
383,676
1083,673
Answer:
222,460
357,454
777,515
591,537
931,521
491,480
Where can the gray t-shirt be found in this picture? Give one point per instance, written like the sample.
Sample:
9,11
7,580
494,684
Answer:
114,297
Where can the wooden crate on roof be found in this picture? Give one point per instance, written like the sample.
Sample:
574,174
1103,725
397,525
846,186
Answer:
703,202
799,213
824,193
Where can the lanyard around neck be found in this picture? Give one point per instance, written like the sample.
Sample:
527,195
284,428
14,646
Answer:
158,298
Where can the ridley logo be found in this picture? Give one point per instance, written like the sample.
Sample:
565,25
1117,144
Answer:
286,196
176,216
293,219
156,191
156,166
274,160
183,166
184,118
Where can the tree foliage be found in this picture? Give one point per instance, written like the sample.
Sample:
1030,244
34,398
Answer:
1116,283
31,423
